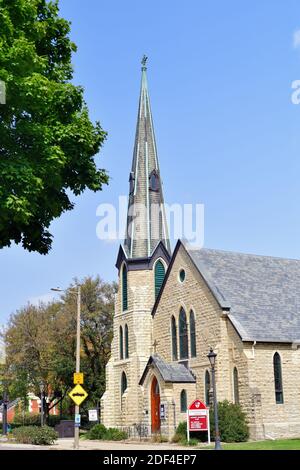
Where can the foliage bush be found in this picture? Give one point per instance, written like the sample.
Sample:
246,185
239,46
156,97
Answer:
159,438
114,434
35,435
191,442
26,419
232,423
100,432
181,435
97,432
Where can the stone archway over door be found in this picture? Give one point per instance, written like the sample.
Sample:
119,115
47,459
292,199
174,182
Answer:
155,406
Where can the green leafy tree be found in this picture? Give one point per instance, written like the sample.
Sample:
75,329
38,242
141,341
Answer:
48,143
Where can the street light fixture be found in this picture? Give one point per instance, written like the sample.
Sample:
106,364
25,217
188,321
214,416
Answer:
42,402
5,402
212,359
78,293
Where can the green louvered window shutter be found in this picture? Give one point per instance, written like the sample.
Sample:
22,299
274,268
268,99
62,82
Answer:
159,276
124,289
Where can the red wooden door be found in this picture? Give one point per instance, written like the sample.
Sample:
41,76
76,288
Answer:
155,406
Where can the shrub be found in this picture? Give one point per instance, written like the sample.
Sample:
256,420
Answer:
100,432
114,434
26,419
232,422
177,438
159,438
181,429
97,432
35,435
191,442
181,434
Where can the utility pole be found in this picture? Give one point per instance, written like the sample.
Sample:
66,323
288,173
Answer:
76,430
78,293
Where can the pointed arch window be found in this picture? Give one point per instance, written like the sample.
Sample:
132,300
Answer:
126,342
154,181
183,336
207,388
121,350
193,334
278,378
174,338
183,401
123,383
159,275
124,288
236,386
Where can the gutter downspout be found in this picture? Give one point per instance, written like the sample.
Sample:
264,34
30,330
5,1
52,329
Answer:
253,346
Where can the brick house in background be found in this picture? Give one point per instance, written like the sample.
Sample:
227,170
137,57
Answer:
34,407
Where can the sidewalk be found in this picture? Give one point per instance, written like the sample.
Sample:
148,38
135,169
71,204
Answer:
67,444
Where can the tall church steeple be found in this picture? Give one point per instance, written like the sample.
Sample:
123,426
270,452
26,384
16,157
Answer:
146,220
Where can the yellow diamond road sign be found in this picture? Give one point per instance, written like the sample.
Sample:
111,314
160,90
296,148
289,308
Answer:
78,394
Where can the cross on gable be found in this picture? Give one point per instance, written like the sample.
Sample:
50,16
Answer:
154,345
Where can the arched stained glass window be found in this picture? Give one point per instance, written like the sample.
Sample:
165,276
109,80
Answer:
207,388
183,401
126,342
278,378
183,336
124,288
193,334
159,274
123,383
121,349
174,339
236,386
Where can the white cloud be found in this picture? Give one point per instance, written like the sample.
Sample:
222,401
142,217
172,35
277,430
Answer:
44,298
296,39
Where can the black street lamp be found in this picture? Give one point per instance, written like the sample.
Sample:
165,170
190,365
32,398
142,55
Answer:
4,410
212,359
42,402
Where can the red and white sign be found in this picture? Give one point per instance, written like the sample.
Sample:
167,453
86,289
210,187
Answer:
198,416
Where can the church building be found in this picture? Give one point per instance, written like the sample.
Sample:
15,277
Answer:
172,307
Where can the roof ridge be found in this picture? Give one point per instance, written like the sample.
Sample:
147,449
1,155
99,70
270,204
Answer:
245,254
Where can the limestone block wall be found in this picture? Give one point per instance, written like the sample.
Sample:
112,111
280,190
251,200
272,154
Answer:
193,294
127,410
276,420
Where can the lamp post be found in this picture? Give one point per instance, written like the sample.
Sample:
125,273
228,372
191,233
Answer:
4,410
42,402
78,293
212,359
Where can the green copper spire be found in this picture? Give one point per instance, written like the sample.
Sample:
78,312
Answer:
146,220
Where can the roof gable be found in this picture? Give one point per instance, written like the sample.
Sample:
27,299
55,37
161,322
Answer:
174,373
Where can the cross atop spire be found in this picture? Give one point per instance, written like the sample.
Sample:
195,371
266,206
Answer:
146,220
144,62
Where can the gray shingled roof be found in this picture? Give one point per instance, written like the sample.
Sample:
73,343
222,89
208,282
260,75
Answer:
263,292
175,373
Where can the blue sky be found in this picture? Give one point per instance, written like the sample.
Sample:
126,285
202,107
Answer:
228,135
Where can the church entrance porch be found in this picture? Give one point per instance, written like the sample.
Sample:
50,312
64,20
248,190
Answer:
162,387
155,406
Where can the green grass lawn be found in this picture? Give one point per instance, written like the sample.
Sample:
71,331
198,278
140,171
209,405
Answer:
280,444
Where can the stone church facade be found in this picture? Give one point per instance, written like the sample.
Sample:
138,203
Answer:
172,307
